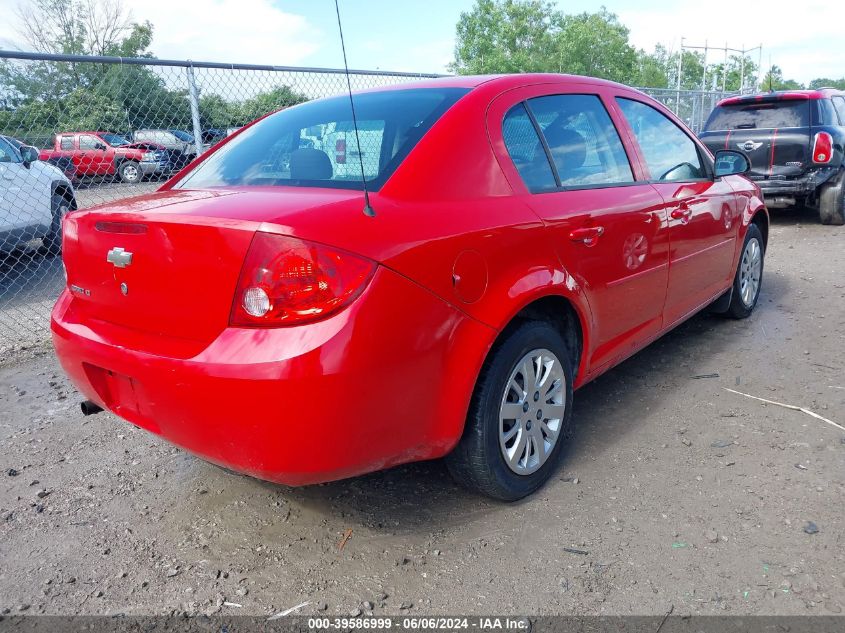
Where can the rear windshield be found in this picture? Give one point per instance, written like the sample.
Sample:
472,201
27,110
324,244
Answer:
314,144
748,116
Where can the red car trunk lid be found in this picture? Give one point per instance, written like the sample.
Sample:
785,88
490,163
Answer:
168,275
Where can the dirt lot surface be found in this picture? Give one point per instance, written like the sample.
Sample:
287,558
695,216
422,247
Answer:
673,492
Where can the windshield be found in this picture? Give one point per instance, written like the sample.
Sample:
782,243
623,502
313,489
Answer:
314,144
772,114
182,136
115,140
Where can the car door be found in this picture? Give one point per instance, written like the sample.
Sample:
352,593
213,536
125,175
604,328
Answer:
703,211
607,227
94,157
24,201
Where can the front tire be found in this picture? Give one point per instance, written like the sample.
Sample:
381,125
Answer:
749,275
832,202
52,242
519,417
130,172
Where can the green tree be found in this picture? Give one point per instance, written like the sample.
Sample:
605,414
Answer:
266,102
773,80
652,69
511,36
823,82
595,44
506,36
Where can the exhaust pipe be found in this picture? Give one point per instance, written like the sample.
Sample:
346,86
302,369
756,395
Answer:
89,408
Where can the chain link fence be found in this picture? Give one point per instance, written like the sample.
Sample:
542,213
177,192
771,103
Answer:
104,129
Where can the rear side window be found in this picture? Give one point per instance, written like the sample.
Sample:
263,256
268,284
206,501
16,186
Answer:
766,115
315,144
584,145
826,113
526,151
839,105
66,142
669,153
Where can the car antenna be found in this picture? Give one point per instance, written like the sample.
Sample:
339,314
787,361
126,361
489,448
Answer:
368,210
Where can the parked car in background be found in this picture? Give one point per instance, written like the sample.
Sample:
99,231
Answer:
174,140
63,163
212,135
101,154
169,160
524,234
795,141
34,197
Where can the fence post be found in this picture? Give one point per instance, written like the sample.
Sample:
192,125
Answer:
193,96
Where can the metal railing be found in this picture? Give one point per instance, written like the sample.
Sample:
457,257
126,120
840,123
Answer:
159,113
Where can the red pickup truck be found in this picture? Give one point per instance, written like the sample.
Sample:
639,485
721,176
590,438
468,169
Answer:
106,154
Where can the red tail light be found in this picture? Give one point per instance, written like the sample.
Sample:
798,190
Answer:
823,148
340,151
288,281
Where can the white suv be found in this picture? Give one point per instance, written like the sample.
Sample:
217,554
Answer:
34,196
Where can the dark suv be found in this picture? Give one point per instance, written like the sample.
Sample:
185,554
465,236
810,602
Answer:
796,143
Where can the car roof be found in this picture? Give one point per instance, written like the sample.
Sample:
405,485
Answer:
504,82
782,95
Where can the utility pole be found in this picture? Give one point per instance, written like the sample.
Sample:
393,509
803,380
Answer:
193,97
678,82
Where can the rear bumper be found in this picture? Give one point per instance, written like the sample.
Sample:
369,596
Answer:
804,185
383,382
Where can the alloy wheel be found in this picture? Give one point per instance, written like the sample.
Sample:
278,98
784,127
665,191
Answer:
750,271
532,411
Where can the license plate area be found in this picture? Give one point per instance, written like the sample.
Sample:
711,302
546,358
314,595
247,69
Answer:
120,394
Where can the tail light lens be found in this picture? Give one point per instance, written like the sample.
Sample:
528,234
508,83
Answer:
823,148
288,281
340,151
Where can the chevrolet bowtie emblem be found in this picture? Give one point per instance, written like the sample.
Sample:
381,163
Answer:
119,257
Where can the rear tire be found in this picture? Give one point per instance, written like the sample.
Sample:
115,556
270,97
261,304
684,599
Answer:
506,457
832,202
749,275
130,172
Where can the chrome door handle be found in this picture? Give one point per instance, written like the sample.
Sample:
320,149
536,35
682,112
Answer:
587,235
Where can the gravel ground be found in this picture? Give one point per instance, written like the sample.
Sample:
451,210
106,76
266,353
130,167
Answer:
673,493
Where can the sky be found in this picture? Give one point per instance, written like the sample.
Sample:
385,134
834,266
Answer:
418,35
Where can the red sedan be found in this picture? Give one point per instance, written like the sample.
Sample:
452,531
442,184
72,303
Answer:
523,235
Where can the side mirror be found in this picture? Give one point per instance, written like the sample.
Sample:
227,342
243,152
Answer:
100,147
29,155
730,162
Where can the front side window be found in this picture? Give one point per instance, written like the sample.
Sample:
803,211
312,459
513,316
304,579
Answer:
7,154
89,142
526,151
583,143
315,144
669,153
